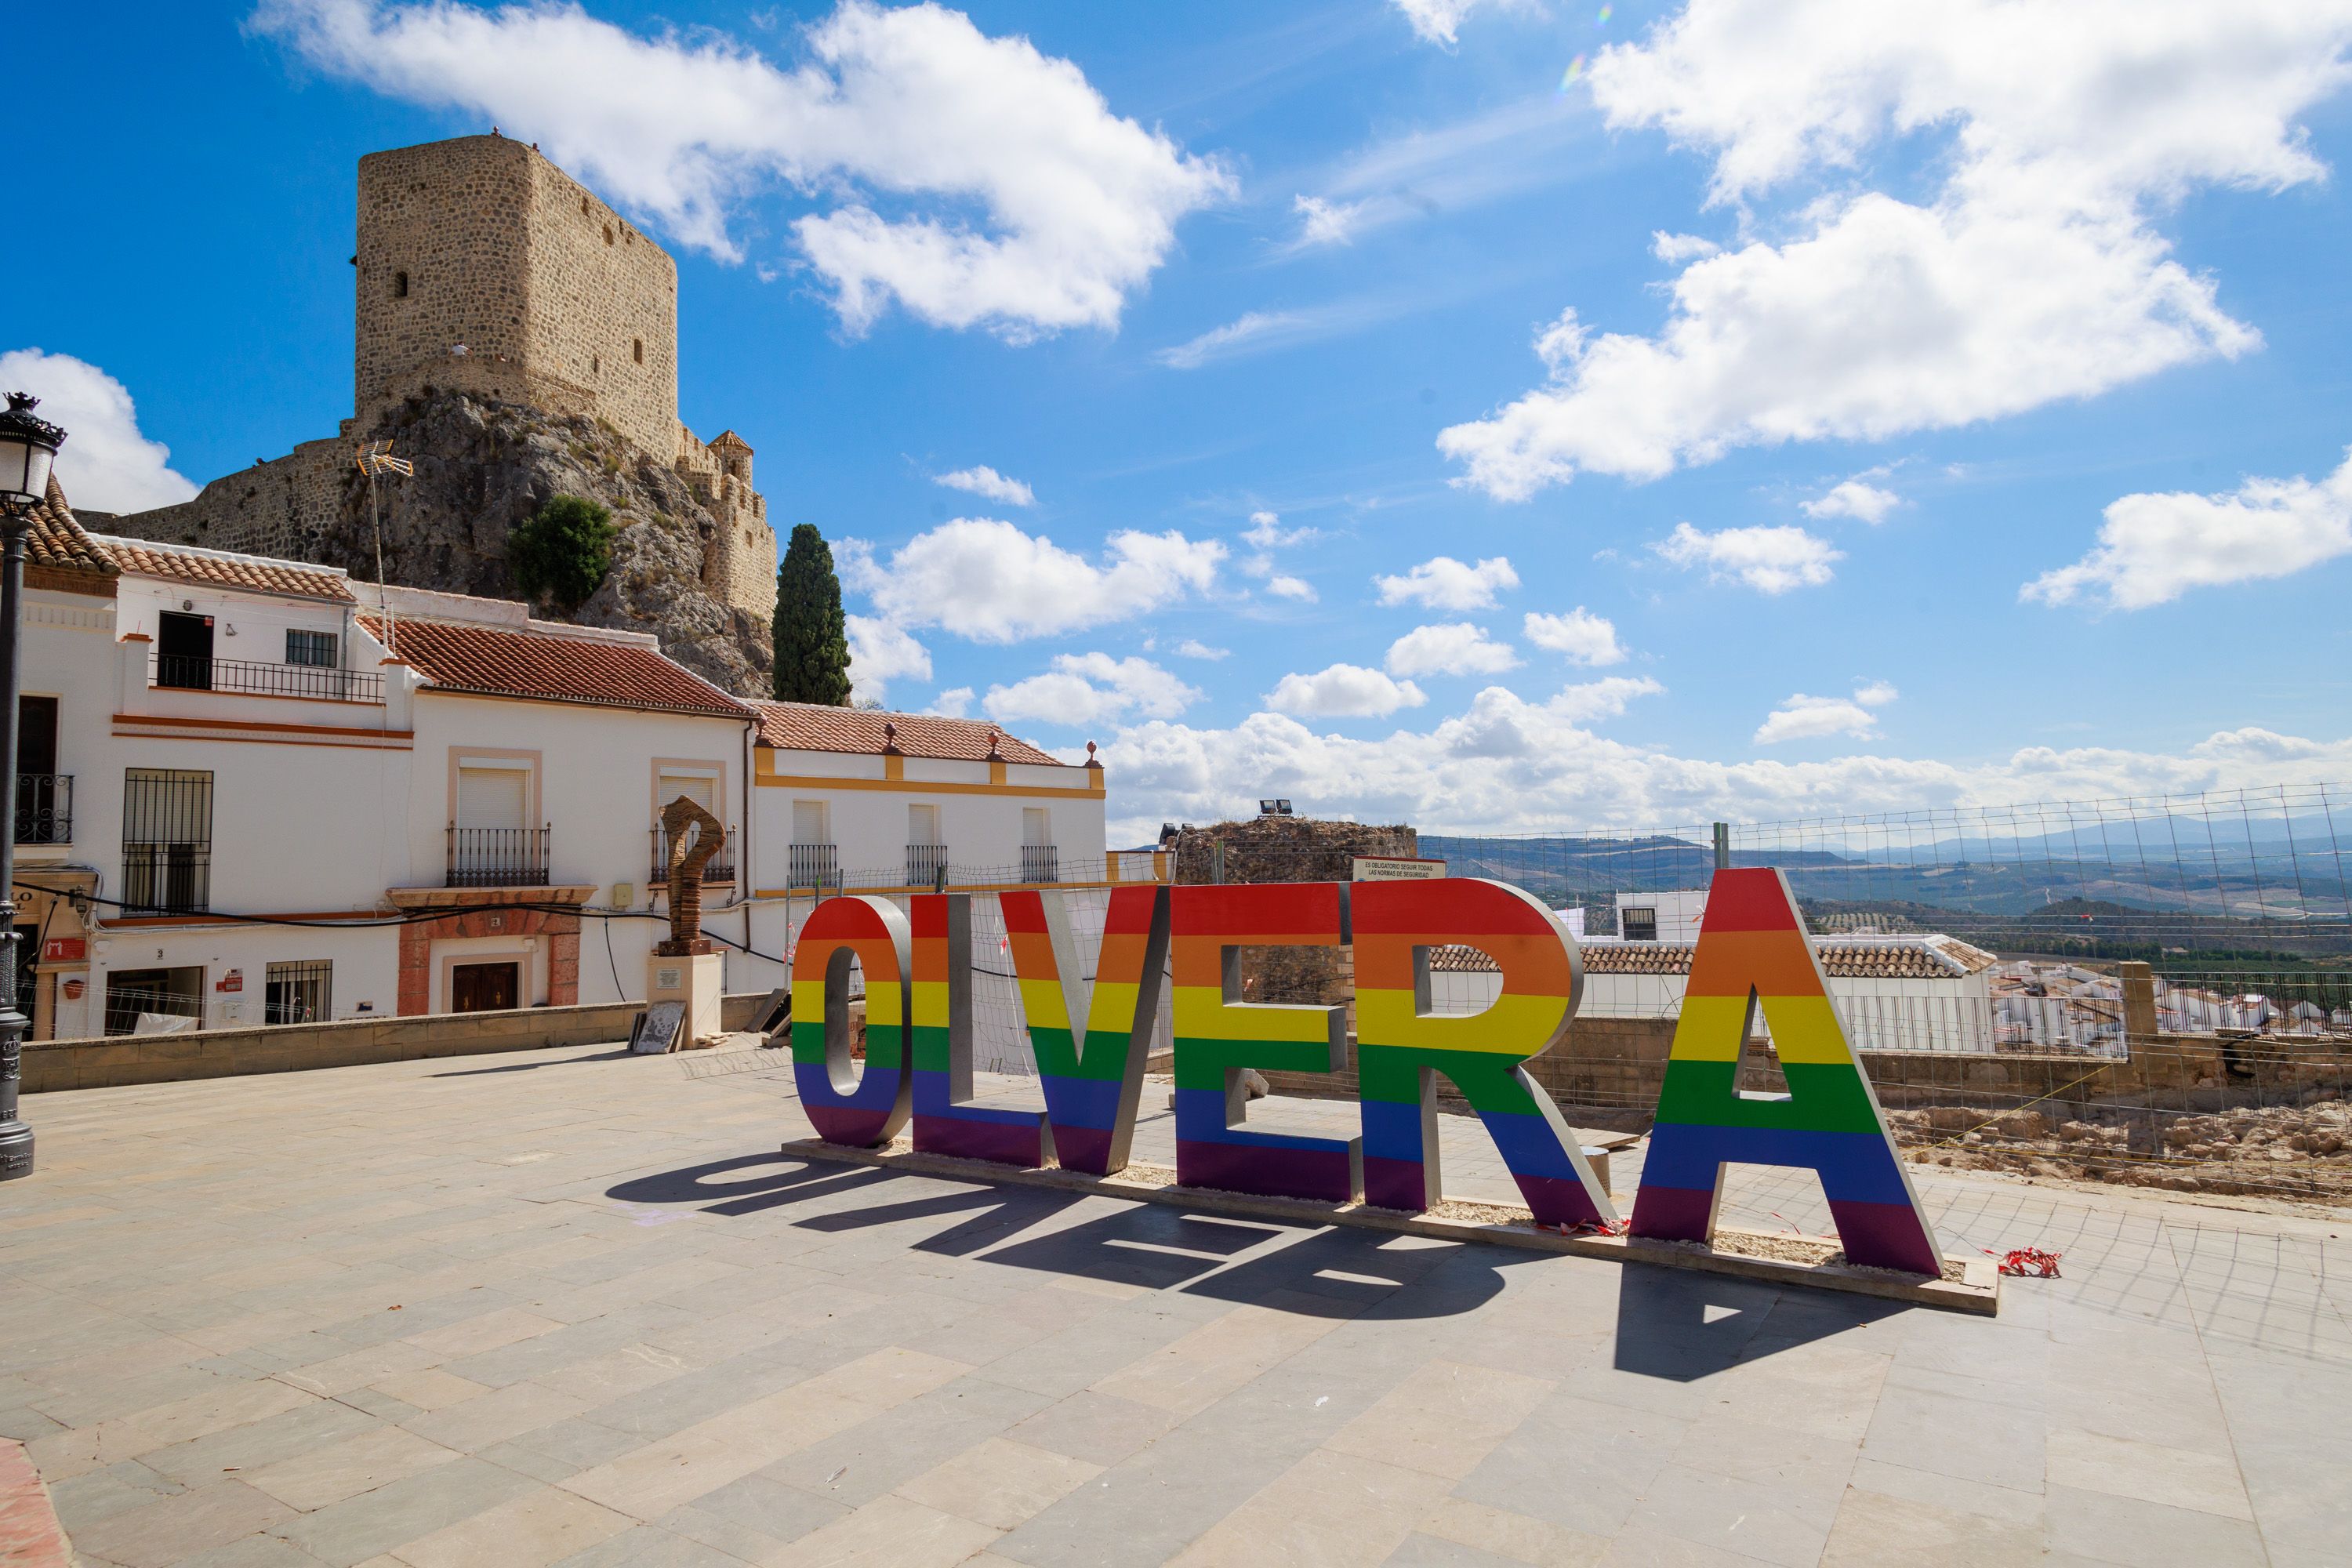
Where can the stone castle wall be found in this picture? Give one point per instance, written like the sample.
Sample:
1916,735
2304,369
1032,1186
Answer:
271,509
739,561
480,241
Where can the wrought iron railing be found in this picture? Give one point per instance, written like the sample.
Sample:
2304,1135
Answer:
326,683
166,879
497,857
720,868
1040,863
814,865
44,808
926,865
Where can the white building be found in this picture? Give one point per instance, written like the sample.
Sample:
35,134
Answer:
247,795
1670,916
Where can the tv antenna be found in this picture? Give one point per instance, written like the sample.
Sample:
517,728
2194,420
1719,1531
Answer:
375,458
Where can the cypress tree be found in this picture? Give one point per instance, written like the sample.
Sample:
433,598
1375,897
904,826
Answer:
811,639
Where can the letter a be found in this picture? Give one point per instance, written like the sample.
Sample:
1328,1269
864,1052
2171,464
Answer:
1752,948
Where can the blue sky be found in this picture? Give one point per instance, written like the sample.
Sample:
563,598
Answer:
1264,306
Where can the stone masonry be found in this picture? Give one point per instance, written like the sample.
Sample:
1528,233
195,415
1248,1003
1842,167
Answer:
484,269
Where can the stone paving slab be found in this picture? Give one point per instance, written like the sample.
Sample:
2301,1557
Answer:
574,1308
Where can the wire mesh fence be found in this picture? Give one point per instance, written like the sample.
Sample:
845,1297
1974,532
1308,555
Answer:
1984,959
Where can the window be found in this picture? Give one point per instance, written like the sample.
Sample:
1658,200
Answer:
1639,923
814,862
637,347
316,649
154,1001
400,285
298,993
167,840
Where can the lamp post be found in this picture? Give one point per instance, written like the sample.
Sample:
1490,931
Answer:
28,446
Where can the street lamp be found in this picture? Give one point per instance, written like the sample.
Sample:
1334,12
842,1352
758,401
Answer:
28,446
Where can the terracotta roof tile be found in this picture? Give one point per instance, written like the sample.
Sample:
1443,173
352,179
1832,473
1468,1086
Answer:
220,569
1933,958
813,727
57,540
500,661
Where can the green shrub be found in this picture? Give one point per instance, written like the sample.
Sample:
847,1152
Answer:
563,552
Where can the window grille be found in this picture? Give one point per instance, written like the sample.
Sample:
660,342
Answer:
315,649
167,840
299,993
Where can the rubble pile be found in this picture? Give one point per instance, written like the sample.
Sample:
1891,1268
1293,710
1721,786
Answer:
2282,1151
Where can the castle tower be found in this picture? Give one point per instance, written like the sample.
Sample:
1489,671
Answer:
556,300
484,269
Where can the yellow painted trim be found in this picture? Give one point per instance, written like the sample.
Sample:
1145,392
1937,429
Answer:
922,786
996,773
894,767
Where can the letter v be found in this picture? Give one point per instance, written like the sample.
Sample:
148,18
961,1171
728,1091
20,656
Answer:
1092,1076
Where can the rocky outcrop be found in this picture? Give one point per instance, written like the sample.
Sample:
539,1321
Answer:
483,467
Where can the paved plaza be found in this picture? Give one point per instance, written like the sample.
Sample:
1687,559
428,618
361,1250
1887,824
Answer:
571,1307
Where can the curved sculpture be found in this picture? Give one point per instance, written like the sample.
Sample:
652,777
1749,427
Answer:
693,835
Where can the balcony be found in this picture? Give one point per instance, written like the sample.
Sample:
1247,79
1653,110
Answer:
814,866
166,879
319,683
926,865
44,808
720,868
1041,863
497,857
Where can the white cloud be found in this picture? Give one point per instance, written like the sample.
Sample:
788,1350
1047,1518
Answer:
1442,583
2032,274
1343,690
986,481
1325,222
1579,636
1265,532
1456,648
987,579
1022,203
954,703
2155,547
1768,560
1091,688
1803,718
1681,248
881,653
1437,21
1506,764
106,464
1250,333
1856,496
1448,168
1194,647
1289,587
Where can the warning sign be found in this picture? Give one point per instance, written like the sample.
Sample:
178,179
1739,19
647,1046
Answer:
1396,869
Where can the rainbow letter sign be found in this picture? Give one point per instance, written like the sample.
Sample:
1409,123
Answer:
1090,1044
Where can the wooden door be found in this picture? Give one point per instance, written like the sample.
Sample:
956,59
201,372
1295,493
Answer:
484,987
